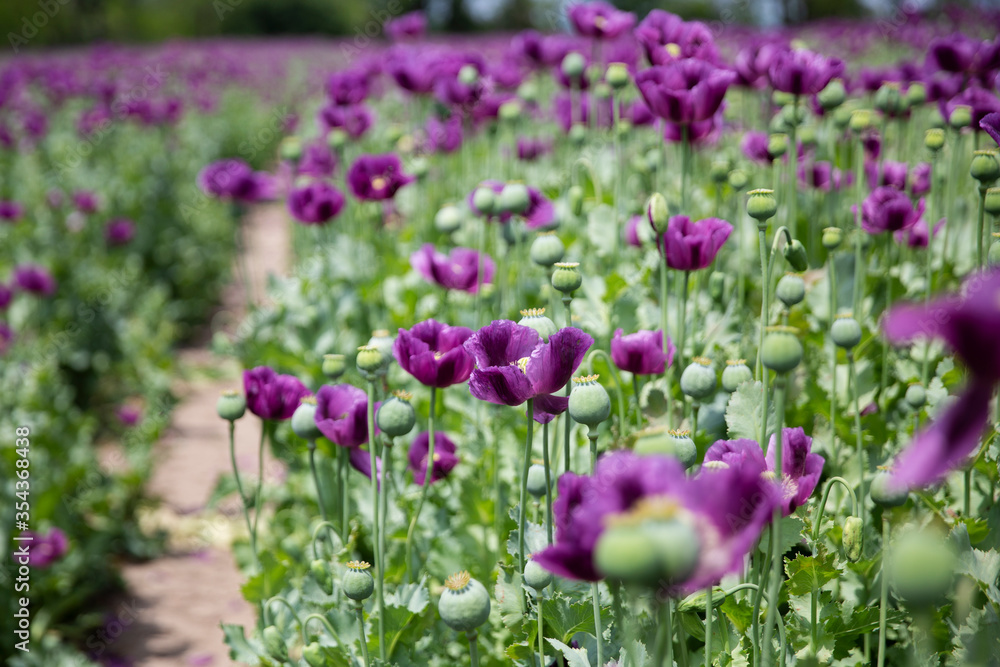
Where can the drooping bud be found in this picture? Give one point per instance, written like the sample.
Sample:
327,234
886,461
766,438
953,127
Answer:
313,655
795,255
781,351
853,538
274,644
321,573
575,198
658,213
231,405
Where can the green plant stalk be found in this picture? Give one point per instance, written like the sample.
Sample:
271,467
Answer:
618,180
682,319
883,598
663,326
473,649
424,489
762,244
759,596
638,406
793,165
526,463
548,483
817,520
853,380
364,640
328,525
833,355
685,168
384,499
595,594
541,635
379,598
264,425
326,624
243,498
858,268
937,201
888,305
277,598
776,555
708,627
479,270
967,491
315,476
980,227
344,496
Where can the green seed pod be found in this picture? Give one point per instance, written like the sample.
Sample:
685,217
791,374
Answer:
795,255
231,405
465,604
536,480
589,402
781,98
384,342
602,91
698,379
916,94
617,75
961,116
484,200
575,197
807,135
717,286
861,120
337,139
448,219
393,133
934,139
509,111
853,538
321,573
832,96
777,144
841,117
761,206
395,417
985,167
994,255
648,546
528,91
534,318
514,198
573,65
889,100
313,655
357,582
566,278
658,441
274,644
832,238
468,75
658,213
781,351
334,365
992,203
845,331
547,249
304,419
577,135
921,567
719,171
369,359
291,148
883,494
536,576
735,373
738,179
791,289
626,553
916,396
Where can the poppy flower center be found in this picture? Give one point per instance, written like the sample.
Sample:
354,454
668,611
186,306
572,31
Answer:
650,508
522,364
673,49
378,182
600,21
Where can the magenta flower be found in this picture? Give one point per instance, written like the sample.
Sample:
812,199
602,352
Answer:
802,72
317,160
456,270
800,468
434,353
444,136
360,460
685,91
342,415
918,236
887,209
347,87
642,352
666,37
86,201
920,179
412,25
377,177
354,120
445,459
6,296
690,246
513,365
128,415
272,396
34,279
968,323
44,550
600,20
991,124
532,149
755,147
119,232
631,232
234,179
737,453
316,203
11,211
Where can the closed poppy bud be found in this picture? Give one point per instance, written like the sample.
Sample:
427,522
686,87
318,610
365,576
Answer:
536,576
274,643
566,278
761,205
575,197
334,365
657,212
961,116
509,110
395,417
698,379
547,249
573,65
528,91
617,75
304,419
465,603
845,331
448,219
658,441
231,405
321,573
357,582
369,359
589,402
313,655
853,538
534,318
717,285
738,179
782,350
291,148
795,255
992,203
468,75
484,200
336,139
985,167
735,373
791,289
934,139
888,99
536,480
841,117
916,396
832,96
648,550
832,238
602,91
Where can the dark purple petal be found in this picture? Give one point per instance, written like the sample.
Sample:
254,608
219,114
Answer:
552,364
503,385
501,343
342,414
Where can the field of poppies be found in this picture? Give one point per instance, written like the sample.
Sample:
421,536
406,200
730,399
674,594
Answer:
656,342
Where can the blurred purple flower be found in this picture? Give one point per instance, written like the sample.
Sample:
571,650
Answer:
347,87
642,352
444,136
887,209
755,147
354,119
317,160
11,211
44,550
445,459
800,468
6,296
377,177
530,149
991,123
802,72
599,20
632,231
412,25
234,179
34,279
316,203
86,201
918,236
272,396
128,415
458,270
684,91
666,37
119,232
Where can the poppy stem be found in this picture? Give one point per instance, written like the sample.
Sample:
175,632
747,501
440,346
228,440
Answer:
473,648
548,488
379,598
260,485
243,498
663,327
928,269
884,593
426,486
364,639
762,244
315,476
682,319
384,499
708,627
979,228
777,565
541,636
832,273
638,406
852,379
344,496
522,514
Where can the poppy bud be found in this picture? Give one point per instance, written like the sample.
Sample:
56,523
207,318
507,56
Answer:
921,567
782,350
795,255
761,206
853,538
589,402
698,379
369,359
395,417
845,331
735,373
602,91
916,396
528,91
357,582
658,213
465,604
304,419
336,139
832,96
534,318
832,238
617,75
738,179
509,110
231,405
321,573
883,494
274,644
651,551
536,576
334,365
483,200
577,134
566,278
791,289
934,139
313,655
573,65
888,99
547,249
657,440
291,148
985,167
536,480
448,219
514,198
575,197
841,117
916,94
961,116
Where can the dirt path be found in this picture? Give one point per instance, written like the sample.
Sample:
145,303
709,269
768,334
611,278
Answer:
174,605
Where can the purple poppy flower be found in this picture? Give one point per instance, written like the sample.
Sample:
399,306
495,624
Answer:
234,179
456,270
529,149
752,63
444,136
11,211
599,20
317,160
316,203
587,108
85,201
631,232
412,25
347,87
684,91
6,296
434,353
642,352
119,232
34,279
891,174
755,147
737,453
513,365
6,336
637,113
128,415
361,460
666,37
802,72
354,119
920,179
918,236
696,133
377,177
887,209
44,550
412,74
981,102
963,55
690,246
445,459
991,123
342,415
272,396
800,468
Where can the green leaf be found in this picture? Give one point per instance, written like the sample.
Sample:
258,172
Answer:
638,657
575,657
739,612
267,582
565,619
509,595
744,415
602,229
535,537
804,572
412,597
239,648
791,534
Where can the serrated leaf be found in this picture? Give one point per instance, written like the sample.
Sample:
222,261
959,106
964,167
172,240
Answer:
240,649
804,572
791,534
575,657
744,412
564,619
602,229
509,595
739,612
637,657
412,597
267,582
